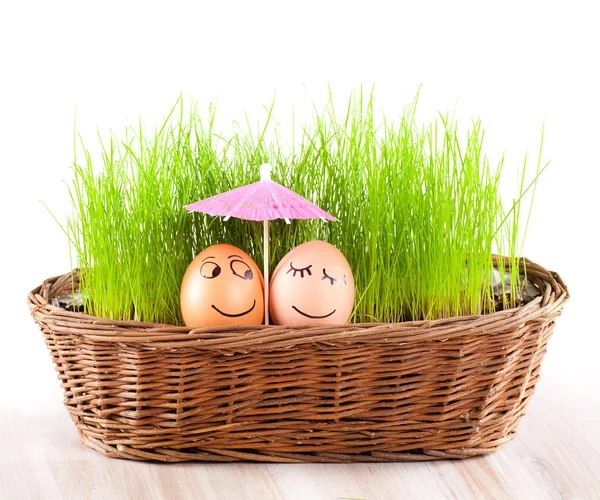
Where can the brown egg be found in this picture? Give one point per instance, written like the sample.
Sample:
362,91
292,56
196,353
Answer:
312,285
222,286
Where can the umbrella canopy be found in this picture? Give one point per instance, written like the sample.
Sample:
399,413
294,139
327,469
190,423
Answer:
264,200
260,201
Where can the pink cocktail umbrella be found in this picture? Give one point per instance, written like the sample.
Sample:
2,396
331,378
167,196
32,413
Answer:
264,200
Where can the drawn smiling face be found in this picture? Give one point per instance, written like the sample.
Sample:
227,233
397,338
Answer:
313,284
222,286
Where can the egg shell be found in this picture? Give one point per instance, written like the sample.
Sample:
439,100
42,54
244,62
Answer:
312,285
222,286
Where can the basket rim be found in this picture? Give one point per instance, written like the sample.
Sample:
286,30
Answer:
546,306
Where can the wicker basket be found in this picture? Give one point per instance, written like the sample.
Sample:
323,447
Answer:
424,390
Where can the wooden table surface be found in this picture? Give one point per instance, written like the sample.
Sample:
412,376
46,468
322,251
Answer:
556,453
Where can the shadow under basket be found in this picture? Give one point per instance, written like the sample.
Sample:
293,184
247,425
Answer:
422,390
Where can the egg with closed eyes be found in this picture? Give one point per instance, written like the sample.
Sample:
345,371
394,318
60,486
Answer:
312,285
222,286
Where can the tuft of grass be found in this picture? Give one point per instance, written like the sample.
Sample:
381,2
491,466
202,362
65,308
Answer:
419,209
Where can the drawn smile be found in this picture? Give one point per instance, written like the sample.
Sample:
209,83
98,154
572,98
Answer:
310,316
233,315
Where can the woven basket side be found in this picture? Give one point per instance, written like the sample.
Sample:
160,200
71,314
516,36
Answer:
449,388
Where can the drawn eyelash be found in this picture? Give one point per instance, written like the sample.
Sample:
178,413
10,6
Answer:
301,271
334,280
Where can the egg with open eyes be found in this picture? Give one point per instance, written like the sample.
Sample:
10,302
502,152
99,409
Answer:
222,286
312,285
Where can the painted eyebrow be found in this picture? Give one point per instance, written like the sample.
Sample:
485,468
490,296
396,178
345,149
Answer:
209,257
238,256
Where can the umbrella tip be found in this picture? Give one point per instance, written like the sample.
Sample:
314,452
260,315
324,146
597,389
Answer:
265,172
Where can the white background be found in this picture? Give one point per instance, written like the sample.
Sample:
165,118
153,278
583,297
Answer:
515,65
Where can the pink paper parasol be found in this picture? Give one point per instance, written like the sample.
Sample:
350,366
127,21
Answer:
264,200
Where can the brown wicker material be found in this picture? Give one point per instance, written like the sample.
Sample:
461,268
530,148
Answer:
424,390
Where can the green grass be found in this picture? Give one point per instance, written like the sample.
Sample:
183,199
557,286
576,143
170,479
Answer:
419,209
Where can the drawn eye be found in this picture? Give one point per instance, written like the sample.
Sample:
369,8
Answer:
301,271
210,270
340,281
241,269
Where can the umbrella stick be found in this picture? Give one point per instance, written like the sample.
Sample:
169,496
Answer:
266,268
